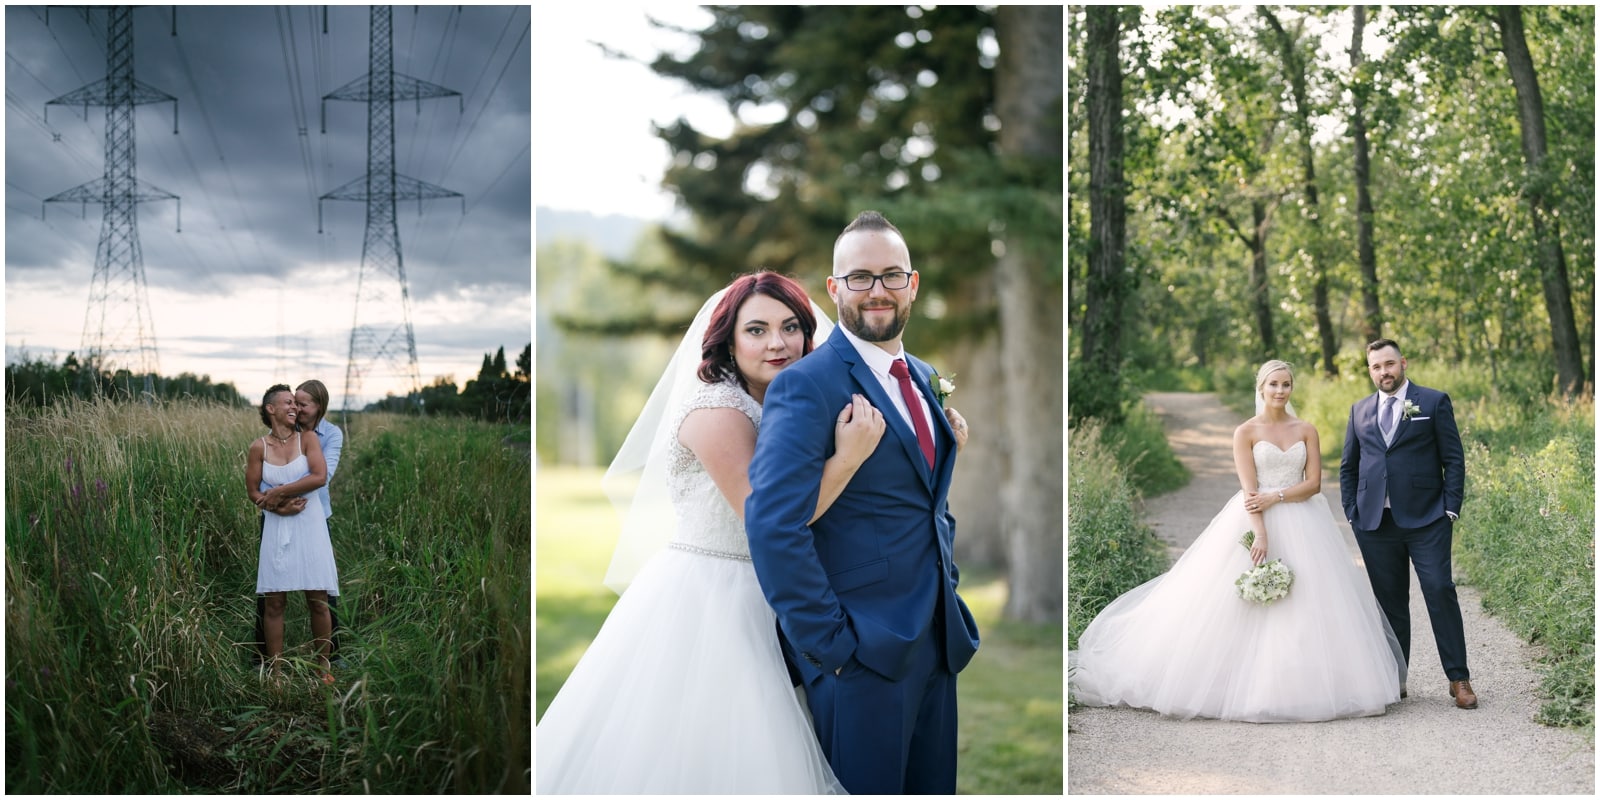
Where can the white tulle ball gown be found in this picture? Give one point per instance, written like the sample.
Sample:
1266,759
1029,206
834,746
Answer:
684,690
1186,645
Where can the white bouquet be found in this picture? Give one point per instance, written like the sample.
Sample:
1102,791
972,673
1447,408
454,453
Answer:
1266,582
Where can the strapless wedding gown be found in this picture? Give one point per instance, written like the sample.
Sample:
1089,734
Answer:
684,690
1186,645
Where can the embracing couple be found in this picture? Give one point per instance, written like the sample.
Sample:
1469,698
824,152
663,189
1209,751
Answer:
1338,644
286,474
789,530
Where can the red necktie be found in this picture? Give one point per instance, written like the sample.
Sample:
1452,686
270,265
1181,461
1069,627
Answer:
918,419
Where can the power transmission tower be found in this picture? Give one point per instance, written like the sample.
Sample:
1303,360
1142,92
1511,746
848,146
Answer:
118,331
377,339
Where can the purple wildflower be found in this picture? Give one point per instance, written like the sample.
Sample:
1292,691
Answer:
69,464
77,492
100,488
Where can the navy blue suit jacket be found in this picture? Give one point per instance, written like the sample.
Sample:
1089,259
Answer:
868,579
1422,471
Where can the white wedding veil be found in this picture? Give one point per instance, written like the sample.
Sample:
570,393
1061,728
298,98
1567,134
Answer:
636,481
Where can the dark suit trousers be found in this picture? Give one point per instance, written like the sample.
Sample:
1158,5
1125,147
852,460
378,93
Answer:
1389,553
890,737
260,633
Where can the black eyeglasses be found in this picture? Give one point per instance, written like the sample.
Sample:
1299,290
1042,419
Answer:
862,282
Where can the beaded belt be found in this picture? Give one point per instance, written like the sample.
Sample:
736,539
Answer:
701,551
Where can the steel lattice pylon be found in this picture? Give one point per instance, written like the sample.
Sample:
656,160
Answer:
377,340
118,331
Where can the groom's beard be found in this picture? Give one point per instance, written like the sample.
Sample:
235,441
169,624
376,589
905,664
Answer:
885,330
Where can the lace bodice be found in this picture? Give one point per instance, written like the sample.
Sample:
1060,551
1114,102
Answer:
1278,469
705,520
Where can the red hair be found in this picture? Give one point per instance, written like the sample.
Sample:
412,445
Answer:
716,349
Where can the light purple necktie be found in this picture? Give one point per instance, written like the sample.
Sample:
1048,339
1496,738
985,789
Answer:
1386,421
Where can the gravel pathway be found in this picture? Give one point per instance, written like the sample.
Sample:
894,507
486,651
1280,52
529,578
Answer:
1423,745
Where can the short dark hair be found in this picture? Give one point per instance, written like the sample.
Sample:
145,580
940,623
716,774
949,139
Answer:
868,221
267,398
716,349
1379,344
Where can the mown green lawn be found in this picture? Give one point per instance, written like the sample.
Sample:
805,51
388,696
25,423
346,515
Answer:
1010,696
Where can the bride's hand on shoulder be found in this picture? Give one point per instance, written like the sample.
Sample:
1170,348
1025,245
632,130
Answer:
857,430
958,424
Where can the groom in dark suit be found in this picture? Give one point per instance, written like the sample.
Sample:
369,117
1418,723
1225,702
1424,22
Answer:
1401,481
865,596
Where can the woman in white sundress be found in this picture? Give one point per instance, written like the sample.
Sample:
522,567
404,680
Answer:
296,553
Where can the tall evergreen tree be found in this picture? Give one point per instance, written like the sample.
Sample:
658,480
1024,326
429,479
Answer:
847,108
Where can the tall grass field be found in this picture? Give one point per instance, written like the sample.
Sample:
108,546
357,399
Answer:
131,554
1010,696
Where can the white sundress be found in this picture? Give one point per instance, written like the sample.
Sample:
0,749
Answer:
296,553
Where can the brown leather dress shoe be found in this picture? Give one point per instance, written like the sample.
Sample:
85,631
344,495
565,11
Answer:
1462,692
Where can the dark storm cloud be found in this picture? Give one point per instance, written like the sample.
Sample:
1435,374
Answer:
250,156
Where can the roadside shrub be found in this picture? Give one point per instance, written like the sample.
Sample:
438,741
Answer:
1109,548
1142,452
1526,540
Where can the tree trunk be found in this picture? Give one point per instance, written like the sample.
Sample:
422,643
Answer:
1028,101
1294,69
1107,285
985,462
1372,316
1259,298
1546,228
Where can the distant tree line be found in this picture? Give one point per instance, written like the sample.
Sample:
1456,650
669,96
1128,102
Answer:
34,381
496,395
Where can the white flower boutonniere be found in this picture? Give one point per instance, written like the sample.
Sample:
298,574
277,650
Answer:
943,387
1409,410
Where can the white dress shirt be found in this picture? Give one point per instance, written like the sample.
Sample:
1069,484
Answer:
879,360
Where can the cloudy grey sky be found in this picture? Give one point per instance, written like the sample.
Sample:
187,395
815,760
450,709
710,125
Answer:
248,291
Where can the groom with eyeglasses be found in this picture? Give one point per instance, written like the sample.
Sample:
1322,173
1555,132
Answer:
868,615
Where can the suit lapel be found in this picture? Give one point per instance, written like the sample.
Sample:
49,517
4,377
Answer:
944,436
868,382
1370,417
1401,425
